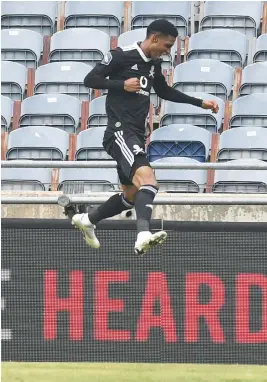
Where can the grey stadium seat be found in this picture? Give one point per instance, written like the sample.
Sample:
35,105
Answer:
180,180
97,112
194,115
13,80
38,143
243,143
56,110
241,181
227,46
38,16
204,75
179,141
6,113
254,79
261,49
25,179
22,46
177,12
243,18
64,78
89,145
250,110
103,15
86,45
81,180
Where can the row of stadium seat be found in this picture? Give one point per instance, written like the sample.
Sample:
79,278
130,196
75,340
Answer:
109,16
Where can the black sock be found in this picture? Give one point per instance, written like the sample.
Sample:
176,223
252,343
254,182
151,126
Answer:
113,206
143,206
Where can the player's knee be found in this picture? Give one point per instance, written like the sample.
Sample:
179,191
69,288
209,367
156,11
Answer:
129,193
144,175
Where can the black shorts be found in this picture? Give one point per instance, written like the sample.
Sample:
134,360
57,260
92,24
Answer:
128,150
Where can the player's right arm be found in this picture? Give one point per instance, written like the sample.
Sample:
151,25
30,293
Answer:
112,63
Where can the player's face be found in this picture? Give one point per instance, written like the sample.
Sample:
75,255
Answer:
161,45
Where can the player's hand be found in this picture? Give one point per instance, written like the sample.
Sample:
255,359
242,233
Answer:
132,85
211,105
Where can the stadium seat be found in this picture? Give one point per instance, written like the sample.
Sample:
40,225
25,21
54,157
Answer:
85,45
13,80
180,180
254,79
90,146
97,112
231,15
64,78
103,15
56,110
38,16
225,45
6,113
179,141
82,180
204,75
38,143
241,181
177,12
25,179
250,110
194,115
243,143
261,49
22,46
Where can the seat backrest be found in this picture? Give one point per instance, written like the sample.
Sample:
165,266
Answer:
225,45
38,16
63,77
86,45
144,12
105,15
22,46
13,80
250,110
261,49
25,179
179,141
90,146
243,143
57,110
254,79
38,143
241,181
193,115
97,112
171,180
6,113
245,19
204,75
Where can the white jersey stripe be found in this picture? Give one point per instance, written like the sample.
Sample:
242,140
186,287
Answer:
124,149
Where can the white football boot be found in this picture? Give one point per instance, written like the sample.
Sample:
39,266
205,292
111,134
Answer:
146,240
82,222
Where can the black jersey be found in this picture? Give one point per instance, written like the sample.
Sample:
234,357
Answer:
126,110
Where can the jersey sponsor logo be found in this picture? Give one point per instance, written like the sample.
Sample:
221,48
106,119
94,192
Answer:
107,59
137,150
152,71
134,67
143,84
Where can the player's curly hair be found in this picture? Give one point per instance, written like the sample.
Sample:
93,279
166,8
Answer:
161,27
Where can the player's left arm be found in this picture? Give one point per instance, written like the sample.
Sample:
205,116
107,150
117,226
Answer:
166,92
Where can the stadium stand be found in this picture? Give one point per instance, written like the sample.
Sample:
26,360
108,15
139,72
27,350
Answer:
174,113
64,78
13,80
97,112
22,46
106,16
38,143
189,181
25,179
38,16
57,110
261,49
6,113
250,110
89,145
254,79
204,75
179,140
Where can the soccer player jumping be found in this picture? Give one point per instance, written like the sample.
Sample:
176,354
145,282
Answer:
133,70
